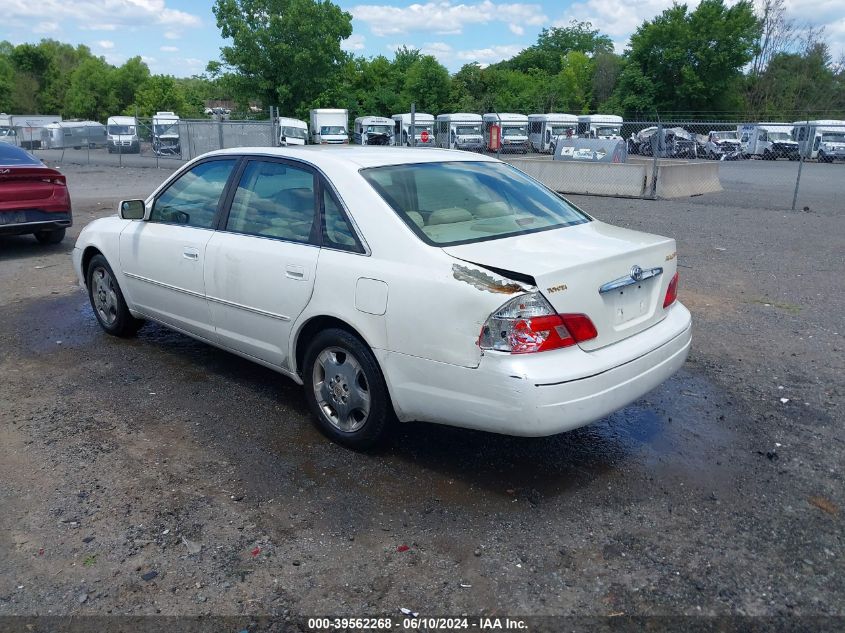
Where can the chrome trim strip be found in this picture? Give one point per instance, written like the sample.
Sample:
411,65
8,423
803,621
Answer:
232,304
629,280
163,285
272,315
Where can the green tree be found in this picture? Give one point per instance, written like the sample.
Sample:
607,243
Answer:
90,94
287,51
7,81
555,43
159,93
127,80
694,59
427,85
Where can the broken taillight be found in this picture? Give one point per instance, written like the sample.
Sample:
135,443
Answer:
671,292
528,323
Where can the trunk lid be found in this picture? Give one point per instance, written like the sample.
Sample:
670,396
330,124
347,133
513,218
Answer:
27,183
572,264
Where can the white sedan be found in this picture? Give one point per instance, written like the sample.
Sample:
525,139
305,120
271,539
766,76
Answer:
397,284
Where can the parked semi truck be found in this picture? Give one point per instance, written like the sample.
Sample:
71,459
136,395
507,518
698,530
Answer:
459,130
423,129
329,126
822,140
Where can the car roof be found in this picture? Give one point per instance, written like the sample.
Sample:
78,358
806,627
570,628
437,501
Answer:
361,156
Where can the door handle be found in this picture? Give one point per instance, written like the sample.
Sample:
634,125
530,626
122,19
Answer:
293,271
191,253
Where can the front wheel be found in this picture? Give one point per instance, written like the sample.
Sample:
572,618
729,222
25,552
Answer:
107,300
346,390
53,236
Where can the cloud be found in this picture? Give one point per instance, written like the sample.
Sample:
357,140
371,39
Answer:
445,18
354,42
172,35
46,27
169,49
454,58
102,15
106,44
516,29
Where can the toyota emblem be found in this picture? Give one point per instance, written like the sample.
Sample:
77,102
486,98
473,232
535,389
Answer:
636,273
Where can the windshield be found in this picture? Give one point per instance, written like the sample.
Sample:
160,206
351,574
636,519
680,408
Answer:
730,136
461,202
294,132
379,129
332,129
419,129
468,130
122,129
12,155
560,130
779,136
833,137
514,130
160,129
607,131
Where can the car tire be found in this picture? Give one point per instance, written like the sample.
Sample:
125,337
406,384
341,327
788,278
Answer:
352,406
822,158
107,300
53,236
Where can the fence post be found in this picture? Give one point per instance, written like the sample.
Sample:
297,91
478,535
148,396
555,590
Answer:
413,124
655,150
220,133
801,161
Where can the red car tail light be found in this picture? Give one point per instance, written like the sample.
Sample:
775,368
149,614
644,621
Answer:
528,324
671,292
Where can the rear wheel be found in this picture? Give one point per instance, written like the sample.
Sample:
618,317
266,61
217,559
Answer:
346,390
107,300
53,236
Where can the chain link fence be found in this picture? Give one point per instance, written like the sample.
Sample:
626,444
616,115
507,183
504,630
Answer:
778,165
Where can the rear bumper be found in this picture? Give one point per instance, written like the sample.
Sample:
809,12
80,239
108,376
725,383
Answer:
32,220
541,394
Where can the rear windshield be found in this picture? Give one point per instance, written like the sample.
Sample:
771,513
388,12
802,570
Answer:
11,155
462,202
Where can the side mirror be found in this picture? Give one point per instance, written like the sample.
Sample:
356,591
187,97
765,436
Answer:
132,209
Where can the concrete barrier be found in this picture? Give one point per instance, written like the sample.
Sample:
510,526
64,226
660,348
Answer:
634,179
687,179
598,179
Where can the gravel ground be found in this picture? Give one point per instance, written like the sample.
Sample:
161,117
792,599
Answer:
160,475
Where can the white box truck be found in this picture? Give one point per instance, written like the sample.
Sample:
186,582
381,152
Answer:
823,140
460,130
604,126
26,129
373,130
768,141
514,131
123,135
329,126
423,129
542,128
292,131
166,134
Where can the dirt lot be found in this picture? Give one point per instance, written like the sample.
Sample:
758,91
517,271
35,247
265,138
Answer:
160,475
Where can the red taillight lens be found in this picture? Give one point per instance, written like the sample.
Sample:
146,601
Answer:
671,292
528,324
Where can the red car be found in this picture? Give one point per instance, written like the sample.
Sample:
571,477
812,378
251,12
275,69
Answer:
33,197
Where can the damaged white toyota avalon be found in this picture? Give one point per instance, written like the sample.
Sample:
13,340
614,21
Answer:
397,284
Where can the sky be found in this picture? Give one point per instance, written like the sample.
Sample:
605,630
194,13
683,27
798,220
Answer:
179,37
